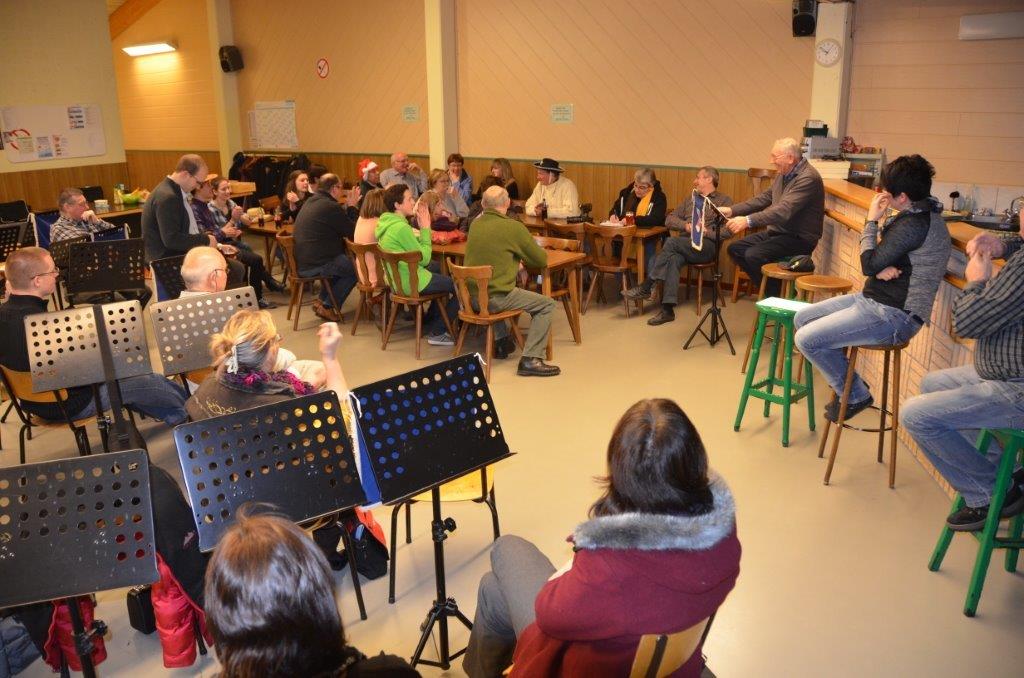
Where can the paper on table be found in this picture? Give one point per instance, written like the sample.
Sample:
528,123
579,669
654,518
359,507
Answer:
784,304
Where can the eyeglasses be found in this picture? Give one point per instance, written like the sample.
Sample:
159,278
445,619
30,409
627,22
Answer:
641,186
222,270
55,272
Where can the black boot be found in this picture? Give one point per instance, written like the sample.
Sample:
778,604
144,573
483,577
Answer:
666,315
535,367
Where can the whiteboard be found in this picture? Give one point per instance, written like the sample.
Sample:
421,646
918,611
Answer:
30,133
272,125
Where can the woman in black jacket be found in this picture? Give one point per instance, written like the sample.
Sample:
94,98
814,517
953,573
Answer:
644,198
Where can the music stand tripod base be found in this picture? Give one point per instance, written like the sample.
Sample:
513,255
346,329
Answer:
715,311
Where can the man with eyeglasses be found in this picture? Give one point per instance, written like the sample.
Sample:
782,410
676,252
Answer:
408,173
792,209
678,251
169,225
31,279
76,218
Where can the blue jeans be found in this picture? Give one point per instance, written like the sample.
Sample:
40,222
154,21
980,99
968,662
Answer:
945,418
825,328
152,394
343,277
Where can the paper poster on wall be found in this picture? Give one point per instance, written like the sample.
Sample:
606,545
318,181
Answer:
273,124
51,132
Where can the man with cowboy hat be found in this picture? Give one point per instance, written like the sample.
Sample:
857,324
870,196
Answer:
554,190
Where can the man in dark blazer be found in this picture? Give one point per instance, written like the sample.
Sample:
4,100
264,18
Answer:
320,231
169,226
793,210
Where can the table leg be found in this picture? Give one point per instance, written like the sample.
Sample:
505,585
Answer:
545,288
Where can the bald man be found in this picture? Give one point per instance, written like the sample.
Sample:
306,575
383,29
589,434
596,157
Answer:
204,270
408,173
793,210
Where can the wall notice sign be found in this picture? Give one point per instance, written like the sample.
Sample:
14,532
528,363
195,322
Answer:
275,124
52,132
323,68
411,113
561,113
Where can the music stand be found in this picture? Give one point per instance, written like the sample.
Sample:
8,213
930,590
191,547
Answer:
60,251
106,267
167,277
295,454
183,326
74,527
10,238
64,351
422,429
718,328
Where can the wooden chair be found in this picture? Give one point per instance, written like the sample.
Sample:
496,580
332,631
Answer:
559,288
411,297
664,654
370,293
270,203
604,261
481,276
570,232
757,176
475,487
299,283
19,387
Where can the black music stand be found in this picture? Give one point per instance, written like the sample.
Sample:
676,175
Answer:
167,277
183,327
422,429
106,267
64,350
10,238
61,253
296,455
73,527
718,328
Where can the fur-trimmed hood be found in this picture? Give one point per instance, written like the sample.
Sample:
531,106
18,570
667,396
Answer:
659,532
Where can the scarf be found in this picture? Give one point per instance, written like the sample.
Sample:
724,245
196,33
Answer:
644,207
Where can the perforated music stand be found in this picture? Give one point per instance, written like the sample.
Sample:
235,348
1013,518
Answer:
73,527
167,277
107,267
183,326
10,238
295,454
61,253
422,429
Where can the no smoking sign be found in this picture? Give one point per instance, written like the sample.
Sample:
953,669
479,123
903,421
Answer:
323,67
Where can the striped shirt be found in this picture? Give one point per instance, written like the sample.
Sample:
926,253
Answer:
993,313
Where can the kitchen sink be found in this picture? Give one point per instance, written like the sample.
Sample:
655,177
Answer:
996,222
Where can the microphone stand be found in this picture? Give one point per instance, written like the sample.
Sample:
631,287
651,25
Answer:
718,328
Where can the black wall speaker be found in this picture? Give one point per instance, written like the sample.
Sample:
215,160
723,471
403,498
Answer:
231,58
805,17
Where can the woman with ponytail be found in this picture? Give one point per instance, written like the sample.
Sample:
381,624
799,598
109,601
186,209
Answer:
244,356
658,555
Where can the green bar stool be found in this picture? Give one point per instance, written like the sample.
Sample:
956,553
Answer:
776,272
1013,447
780,313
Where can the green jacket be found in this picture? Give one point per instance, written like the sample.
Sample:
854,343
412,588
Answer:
394,234
502,242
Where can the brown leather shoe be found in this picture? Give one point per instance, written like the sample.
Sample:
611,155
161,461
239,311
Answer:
324,312
535,367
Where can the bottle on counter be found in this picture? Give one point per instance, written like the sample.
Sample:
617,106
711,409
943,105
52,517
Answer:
118,196
542,211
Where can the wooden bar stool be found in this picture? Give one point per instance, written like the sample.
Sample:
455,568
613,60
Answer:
809,285
1012,441
889,350
781,315
775,272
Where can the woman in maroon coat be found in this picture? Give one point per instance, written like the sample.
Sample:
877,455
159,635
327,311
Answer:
658,555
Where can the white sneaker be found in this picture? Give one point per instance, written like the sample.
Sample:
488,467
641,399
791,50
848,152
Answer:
443,339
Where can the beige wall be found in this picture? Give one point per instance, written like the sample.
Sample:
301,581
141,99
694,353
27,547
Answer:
167,99
663,82
74,37
916,88
378,65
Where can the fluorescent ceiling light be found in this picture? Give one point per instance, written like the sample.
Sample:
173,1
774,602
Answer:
149,48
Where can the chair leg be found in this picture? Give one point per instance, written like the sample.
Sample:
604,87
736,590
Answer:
493,505
895,419
350,551
408,522
335,304
625,286
844,401
885,403
461,340
394,552
292,299
700,290
21,441
488,352
444,318
298,306
363,305
595,280
390,326
419,328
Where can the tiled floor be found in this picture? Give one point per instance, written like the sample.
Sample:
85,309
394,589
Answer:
833,582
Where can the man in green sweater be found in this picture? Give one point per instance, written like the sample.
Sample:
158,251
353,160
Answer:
502,242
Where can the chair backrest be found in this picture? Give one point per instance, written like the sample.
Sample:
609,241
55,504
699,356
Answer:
562,230
15,210
602,239
369,270
92,193
661,655
270,203
42,224
19,385
481,276
758,177
392,269
167,275
10,237
563,244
